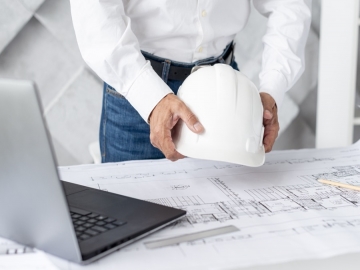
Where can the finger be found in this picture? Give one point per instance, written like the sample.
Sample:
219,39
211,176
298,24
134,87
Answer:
270,135
269,142
157,139
174,156
168,148
268,104
190,119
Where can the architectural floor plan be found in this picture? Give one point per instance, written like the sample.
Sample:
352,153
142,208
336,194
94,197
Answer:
282,212
279,208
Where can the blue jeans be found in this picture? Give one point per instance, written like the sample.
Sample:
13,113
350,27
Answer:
124,135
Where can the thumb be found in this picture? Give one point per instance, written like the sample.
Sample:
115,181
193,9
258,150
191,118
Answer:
267,114
190,119
268,104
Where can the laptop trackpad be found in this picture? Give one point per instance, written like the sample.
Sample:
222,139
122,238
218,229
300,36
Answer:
97,201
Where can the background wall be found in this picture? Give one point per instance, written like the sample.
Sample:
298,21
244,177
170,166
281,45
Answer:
37,42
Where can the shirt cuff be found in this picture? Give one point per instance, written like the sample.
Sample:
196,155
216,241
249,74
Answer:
146,91
275,84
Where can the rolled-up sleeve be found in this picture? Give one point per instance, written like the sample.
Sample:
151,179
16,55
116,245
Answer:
284,44
110,48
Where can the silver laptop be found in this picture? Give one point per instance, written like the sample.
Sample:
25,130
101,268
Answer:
74,222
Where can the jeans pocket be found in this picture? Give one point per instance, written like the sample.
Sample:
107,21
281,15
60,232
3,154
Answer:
111,91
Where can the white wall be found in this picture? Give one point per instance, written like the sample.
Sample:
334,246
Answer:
37,42
297,114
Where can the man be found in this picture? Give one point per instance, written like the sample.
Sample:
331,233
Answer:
144,50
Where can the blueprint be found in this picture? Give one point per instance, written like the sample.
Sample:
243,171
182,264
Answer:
15,256
11,248
280,209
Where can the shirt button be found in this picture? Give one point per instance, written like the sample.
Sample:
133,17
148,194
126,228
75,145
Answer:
200,49
203,13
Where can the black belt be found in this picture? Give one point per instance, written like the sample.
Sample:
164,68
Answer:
181,73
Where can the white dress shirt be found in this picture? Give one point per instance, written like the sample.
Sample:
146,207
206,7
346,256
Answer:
110,34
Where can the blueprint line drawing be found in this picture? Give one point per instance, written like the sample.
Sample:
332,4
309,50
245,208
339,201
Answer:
15,250
306,195
269,201
11,248
280,204
266,201
325,226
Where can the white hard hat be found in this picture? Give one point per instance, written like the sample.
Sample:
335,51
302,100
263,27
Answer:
229,107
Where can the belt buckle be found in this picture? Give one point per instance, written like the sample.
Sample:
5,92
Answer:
227,61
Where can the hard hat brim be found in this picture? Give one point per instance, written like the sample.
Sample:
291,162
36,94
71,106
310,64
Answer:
235,156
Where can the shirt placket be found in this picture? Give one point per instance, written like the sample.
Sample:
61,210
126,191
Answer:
200,51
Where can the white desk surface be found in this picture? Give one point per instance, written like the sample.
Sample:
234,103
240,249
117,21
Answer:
347,261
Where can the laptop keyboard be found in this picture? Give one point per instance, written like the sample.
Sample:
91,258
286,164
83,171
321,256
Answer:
88,224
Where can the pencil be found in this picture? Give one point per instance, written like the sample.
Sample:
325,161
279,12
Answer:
333,183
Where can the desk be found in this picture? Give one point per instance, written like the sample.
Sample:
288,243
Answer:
286,218
347,261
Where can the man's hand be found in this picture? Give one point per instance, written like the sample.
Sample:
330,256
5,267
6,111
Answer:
163,119
270,121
